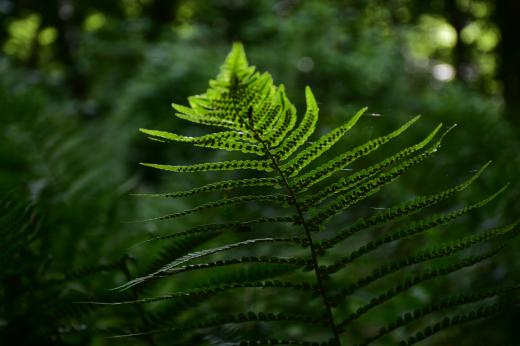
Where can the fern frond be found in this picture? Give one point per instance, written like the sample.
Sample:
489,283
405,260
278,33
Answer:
400,211
278,198
216,289
320,146
236,318
296,261
370,187
304,130
226,140
225,185
480,313
273,341
259,165
188,114
347,183
412,229
428,255
411,282
192,256
241,226
255,116
447,303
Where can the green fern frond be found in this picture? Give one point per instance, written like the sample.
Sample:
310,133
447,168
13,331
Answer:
237,318
320,146
370,187
411,282
425,256
241,226
259,165
401,211
447,303
191,256
447,322
279,198
225,185
344,184
413,229
326,170
248,114
216,289
227,140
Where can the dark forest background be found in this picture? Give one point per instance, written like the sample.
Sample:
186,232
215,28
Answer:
78,78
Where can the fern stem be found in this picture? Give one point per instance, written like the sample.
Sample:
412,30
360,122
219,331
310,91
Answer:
314,257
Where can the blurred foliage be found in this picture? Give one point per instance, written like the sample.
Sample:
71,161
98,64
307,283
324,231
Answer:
79,78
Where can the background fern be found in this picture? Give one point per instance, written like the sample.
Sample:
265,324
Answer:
308,238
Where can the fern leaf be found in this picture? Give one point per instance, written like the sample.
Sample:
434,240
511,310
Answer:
411,282
274,341
428,255
227,140
257,117
273,128
370,187
480,313
192,256
447,303
223,203
241,226
278,121
320,146
216,289
412,229
188,114
326,170
244,260
237,318
400,211
302,133
259,165
225,185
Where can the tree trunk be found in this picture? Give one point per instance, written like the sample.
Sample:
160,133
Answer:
509,53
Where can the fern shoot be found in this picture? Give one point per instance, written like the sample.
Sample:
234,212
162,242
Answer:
293,250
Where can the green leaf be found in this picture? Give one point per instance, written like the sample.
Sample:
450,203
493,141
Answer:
191,256
411,282
237,318
327,169
300,135
450,302
411,229
323,144
226,140
225,185
400,211
370,187
473,315
223,203
259,165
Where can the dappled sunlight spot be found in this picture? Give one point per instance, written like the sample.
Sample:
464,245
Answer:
95,22
483,35
21,34
445,35
443,72
433,34
47,36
